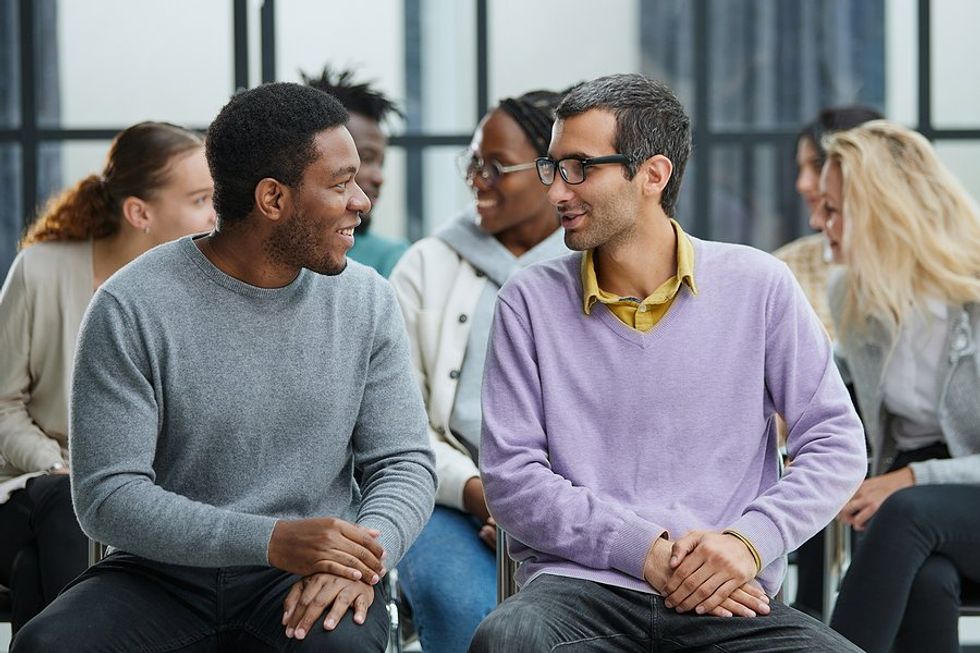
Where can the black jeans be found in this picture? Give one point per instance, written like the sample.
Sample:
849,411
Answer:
553,613
42,548
902,591
127,603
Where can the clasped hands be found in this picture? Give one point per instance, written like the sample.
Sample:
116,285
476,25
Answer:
708,572
339,562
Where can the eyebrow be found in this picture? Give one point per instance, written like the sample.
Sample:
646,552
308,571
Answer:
573,155
207,189
344,172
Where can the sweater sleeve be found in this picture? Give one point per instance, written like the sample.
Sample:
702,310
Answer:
825,440
22,442
526,496
115,420
390,444
453,467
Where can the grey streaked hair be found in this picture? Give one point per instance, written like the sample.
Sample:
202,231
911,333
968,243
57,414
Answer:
649,120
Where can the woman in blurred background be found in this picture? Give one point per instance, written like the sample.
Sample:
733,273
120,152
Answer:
155,187
907,313
447,285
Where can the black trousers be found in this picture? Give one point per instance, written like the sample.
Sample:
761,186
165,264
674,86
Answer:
902,591
127,603
42,547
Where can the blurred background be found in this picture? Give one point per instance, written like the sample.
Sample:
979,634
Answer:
750,72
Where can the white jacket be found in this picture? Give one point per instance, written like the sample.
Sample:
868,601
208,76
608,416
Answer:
438,291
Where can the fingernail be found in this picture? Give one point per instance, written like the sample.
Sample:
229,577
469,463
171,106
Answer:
668,604
356,575
285,617
300,633
673,560
289,632
375,579
359,619
699,609
329,624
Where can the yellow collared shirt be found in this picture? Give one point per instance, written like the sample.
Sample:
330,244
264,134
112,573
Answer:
641,314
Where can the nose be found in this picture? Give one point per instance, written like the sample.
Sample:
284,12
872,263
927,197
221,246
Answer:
376,175
359,202
559,191
479,182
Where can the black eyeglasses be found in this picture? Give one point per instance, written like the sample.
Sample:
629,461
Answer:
572,168
490,172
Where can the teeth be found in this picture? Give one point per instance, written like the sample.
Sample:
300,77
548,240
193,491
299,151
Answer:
486,203
347,232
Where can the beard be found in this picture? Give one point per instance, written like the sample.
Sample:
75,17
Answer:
297,243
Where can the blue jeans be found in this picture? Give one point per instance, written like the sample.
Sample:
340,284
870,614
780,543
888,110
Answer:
553,614
449,577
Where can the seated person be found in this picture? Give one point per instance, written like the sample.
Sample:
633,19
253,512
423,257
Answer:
225,389
907,312
447,285
368,108
154,187
629,447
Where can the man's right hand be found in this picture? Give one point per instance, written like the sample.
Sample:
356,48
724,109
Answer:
327,545
747,601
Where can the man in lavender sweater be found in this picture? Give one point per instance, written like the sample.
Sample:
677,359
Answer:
629,402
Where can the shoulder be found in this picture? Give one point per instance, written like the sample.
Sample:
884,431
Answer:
46,262
739,263
546,281
804,247
429,257
150,273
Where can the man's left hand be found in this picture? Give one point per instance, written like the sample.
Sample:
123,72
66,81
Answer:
872,493
707,568
310,596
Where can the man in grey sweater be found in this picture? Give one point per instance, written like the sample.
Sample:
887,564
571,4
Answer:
245,429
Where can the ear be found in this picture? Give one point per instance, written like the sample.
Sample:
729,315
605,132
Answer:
273,199
654,173
136,212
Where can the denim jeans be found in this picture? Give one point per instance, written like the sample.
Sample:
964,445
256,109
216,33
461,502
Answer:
554,613
449,577
902,590
127,603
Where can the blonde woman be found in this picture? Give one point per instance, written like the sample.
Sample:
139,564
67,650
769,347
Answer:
907,313
155,187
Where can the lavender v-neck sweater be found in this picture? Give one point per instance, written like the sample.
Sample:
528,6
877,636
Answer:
598,438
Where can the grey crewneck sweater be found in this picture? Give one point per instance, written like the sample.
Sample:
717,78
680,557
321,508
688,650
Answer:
204,409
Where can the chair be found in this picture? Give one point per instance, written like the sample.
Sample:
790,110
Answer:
506,568
836,560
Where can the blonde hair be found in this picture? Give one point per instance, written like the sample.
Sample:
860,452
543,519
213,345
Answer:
911,230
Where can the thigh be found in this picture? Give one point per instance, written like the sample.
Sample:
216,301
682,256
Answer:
554,613
253,600
126,603
784,630
15,524
449,577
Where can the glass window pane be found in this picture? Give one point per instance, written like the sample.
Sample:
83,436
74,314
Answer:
9,65
446,195
954,99
529,43
366,37
123,61
752,196
902,61
63,163
774,64
11,208
963,160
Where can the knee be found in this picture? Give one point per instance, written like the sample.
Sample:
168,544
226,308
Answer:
937,582
510,629
906,508
37,636
52,493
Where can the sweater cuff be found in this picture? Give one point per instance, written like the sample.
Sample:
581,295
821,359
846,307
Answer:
924,472
763,534
628,547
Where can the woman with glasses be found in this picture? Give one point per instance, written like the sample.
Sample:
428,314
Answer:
155,187
447,285
907,314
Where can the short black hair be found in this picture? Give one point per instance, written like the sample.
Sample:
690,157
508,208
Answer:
266,131
835,119
357,97
650,120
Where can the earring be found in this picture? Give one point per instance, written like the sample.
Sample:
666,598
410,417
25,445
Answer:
146,230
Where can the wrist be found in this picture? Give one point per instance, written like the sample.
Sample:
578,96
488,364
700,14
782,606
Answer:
749,547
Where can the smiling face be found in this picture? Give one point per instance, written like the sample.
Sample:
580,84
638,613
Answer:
832,209
183,205
326,205
516,197
603,209
371,143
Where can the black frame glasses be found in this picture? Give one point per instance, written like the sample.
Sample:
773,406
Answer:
546,167
489,172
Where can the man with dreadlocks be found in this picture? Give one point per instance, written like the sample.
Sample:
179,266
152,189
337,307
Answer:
447,285
368,108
